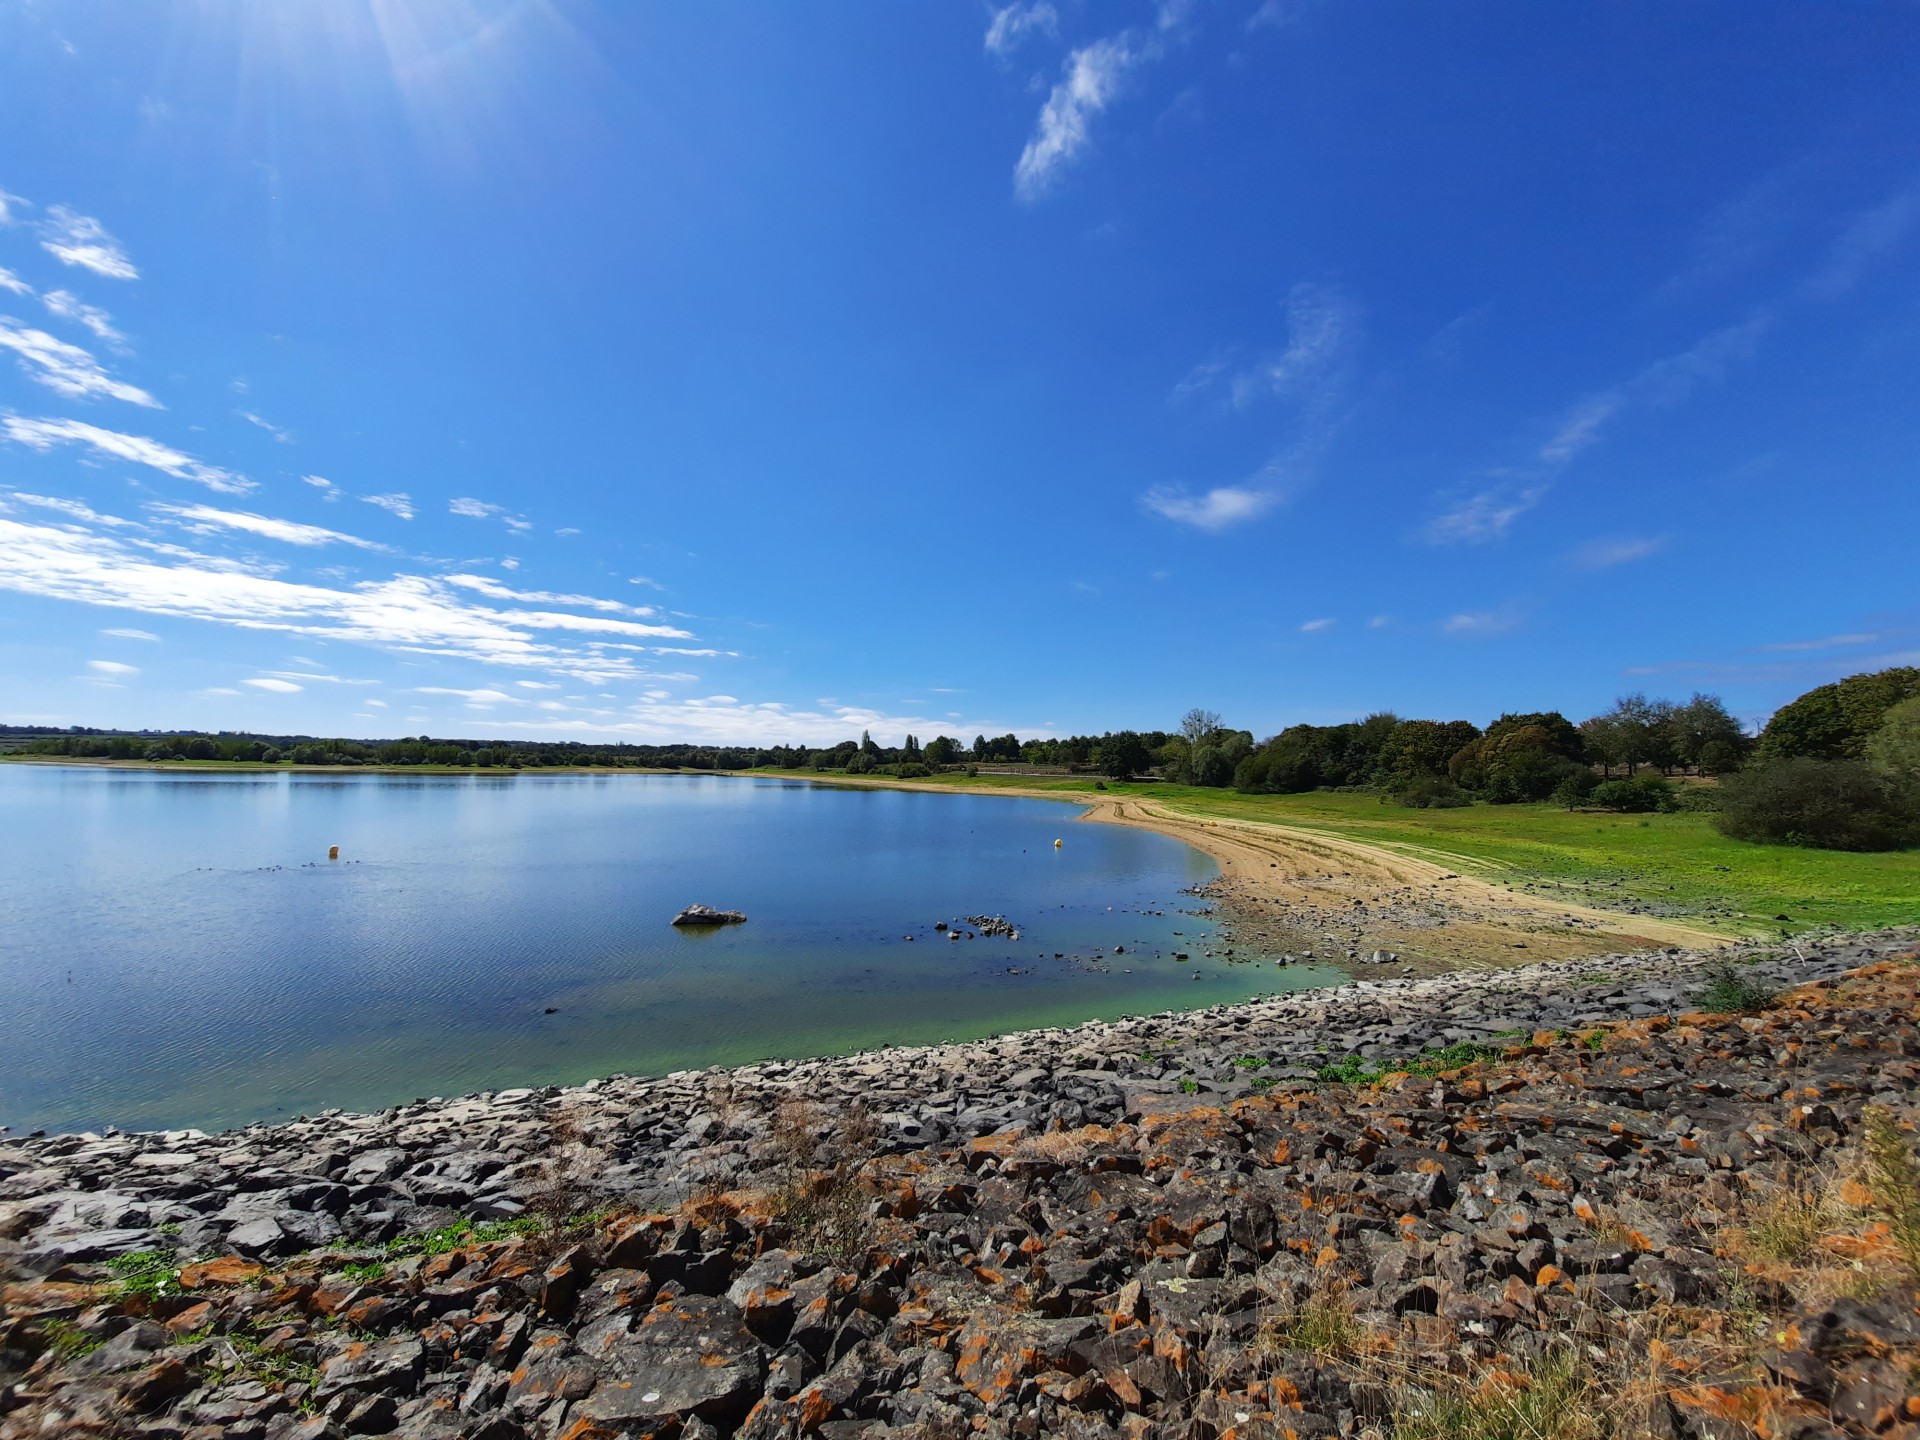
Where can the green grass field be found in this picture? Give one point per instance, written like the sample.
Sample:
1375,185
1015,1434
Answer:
1677,865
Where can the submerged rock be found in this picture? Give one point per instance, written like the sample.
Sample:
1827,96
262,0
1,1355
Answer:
707,915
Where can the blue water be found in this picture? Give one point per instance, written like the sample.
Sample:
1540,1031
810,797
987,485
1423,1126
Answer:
176,949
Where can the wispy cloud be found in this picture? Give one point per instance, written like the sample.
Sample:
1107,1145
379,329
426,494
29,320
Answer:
1604,554
1314,627
1093,78
112,667
1218,509
398,503
1012,24
1868,237
65,368
79,510
285,437
1322,325
1485,516
1312,373
125,633
644,580
318,678
273,685
328,490
485,510
204,519
494,590
479,699
76,239
1828,642
407,613
45,434
1480,622
69,306
12,282
7,202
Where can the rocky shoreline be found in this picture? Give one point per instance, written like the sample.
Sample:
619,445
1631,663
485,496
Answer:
1181,1224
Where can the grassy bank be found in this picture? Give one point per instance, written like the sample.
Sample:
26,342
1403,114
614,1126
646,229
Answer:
1677,865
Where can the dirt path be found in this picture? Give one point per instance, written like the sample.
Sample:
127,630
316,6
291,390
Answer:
1281,885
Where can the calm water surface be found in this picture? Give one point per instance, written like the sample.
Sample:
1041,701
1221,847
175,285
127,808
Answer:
175,948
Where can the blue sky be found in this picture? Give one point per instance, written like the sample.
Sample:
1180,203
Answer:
727,372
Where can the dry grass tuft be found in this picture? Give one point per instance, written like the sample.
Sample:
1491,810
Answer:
1893,1178
1557,1399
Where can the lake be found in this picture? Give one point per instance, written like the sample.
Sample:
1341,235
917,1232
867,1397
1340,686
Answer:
176,948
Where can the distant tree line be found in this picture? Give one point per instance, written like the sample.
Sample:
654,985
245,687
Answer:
1839,767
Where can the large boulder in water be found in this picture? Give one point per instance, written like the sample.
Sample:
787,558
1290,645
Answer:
707,915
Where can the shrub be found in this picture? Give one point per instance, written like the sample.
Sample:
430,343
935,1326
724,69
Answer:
1826,804
1697,800
1728,992
912,770
1639,796
1430,792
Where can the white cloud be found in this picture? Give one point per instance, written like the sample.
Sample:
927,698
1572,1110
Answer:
217,691
407,613
112,667
1379,622
44,434
273,685
1480,622
1827,642
202,519
1093,77
285,437
472,509
66,368
322,679
494,590
1482,517
1015,22
76,239
398,503
643,580
69,306
328,490
1869,237
7,202
1217,510
74,508
567,531
1322,327
480,699
1314,627
380,703
12,282
130,634
1604,554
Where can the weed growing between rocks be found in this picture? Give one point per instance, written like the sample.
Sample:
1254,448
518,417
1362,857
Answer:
148,1274
1728,992
558,1196
817,1158
1557,1399
1894,1179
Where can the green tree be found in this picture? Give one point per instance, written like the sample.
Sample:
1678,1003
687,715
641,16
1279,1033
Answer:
1894,749
1697,727
942,749
1828,804
1122,755
1197,726
1832,722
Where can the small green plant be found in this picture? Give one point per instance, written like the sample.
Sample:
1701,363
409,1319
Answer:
1250,1062
460,1233
1320,1325
67,1340
1558,1399
1189,1087
1728,992
1594,1040
1349,1070
1262,1084
1894,1178
149,1274
362,1271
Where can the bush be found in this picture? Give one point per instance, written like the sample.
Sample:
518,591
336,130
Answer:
912,770
1728,992
1825,804
1639,796
1697,800
1430,792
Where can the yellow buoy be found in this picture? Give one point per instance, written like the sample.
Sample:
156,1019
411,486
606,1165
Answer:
333,852
1056,844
